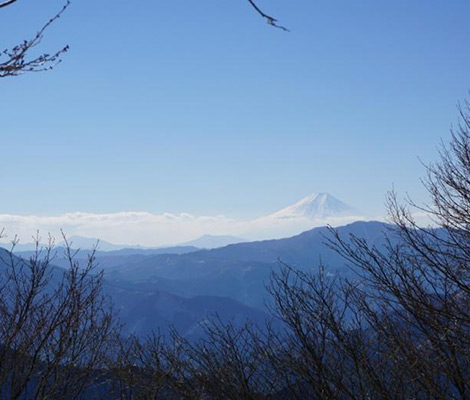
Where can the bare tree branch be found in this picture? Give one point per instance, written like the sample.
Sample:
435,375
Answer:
7,3
17,62
271,21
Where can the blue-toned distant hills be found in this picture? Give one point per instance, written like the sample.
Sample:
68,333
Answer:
153,290
238,271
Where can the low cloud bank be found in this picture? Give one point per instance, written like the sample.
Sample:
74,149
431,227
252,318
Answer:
147,229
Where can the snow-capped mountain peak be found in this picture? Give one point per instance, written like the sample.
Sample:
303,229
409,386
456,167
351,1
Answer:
317,206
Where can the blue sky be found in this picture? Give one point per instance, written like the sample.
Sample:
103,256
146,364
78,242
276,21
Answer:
199,106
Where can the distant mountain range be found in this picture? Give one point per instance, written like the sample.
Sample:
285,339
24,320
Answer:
183,285
238,271
230,280
84,243
153,291
142,311
213,241
80,242
76,242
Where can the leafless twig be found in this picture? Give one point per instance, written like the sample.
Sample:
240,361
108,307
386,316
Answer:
271,21
7,3
17,61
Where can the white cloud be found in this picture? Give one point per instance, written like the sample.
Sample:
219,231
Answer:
149,229
122,227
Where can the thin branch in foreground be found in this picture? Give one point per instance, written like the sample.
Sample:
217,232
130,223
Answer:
7,3
271,21
17,64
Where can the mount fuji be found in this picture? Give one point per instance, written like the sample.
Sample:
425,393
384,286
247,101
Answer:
317,206
316,209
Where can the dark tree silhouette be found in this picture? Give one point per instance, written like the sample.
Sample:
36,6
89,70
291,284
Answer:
401,328
55,326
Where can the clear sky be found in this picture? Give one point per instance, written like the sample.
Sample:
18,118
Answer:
201,107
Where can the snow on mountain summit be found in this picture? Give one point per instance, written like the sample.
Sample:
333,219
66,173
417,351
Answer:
316,206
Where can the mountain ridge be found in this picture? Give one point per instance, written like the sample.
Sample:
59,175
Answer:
316,206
